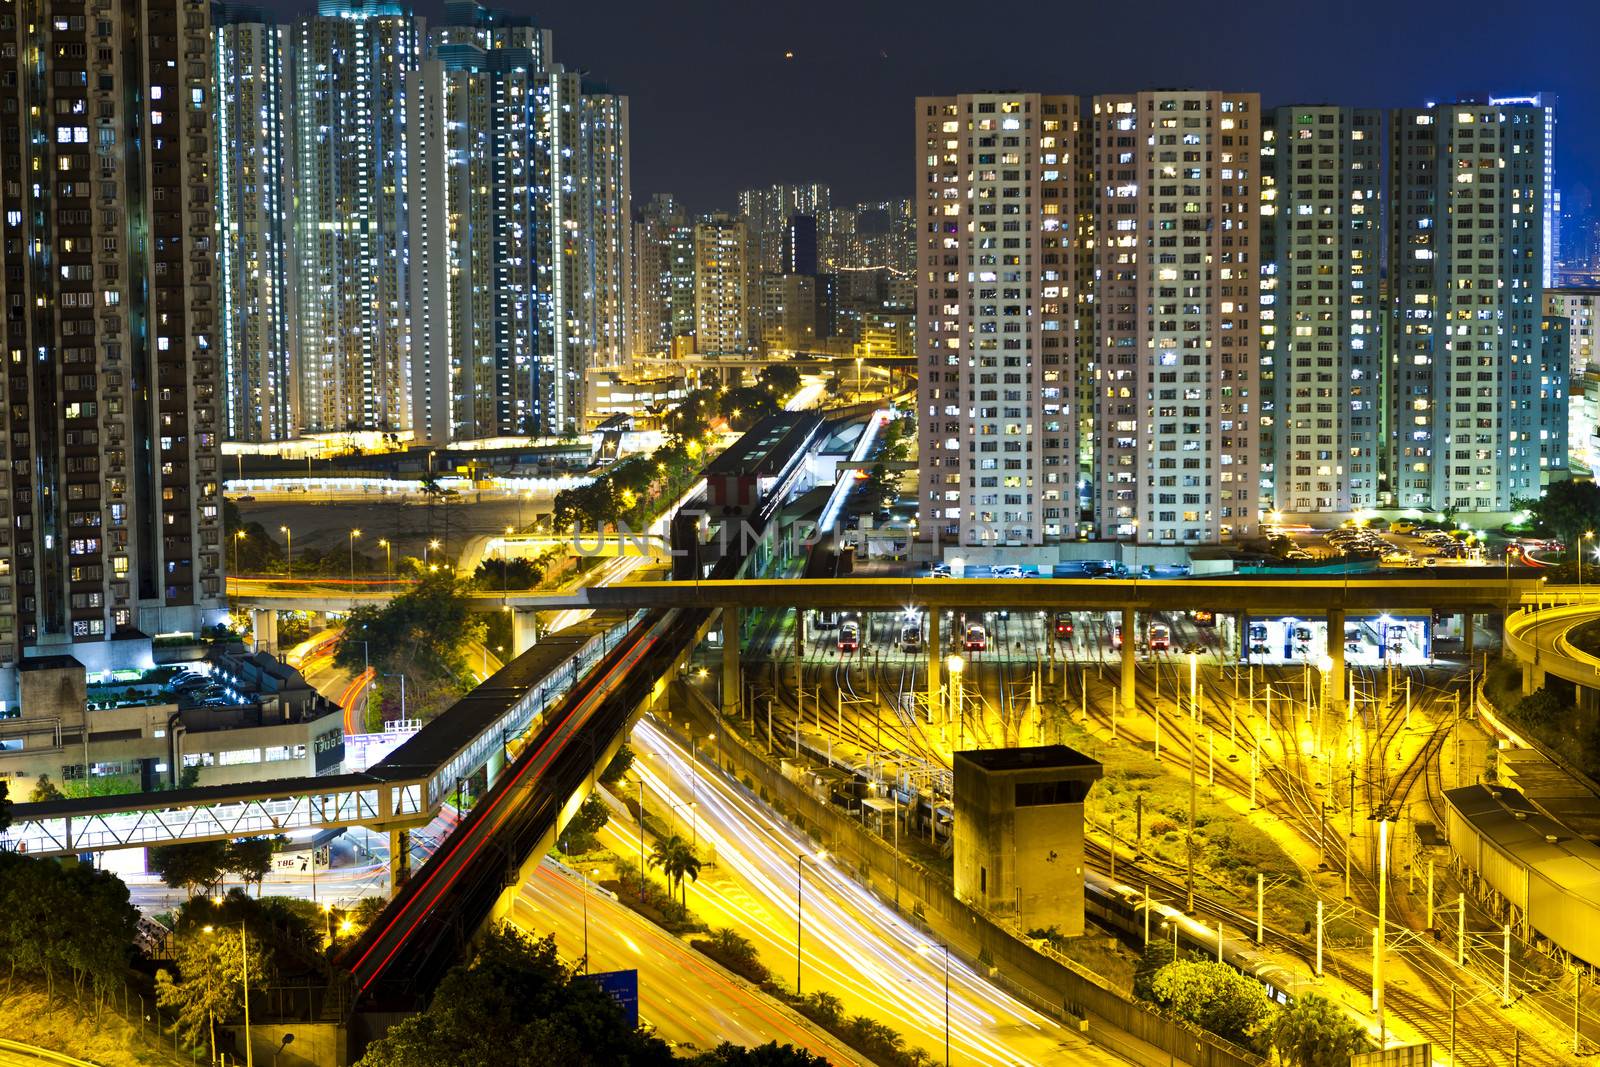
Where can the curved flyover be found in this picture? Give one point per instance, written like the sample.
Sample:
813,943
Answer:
1539,637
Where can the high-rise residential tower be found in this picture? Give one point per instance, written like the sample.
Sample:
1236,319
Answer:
1177,267
722,304
1466,254
474,219
111,510
664,287
1550,199
1321,174
255,261
1000,195
352,177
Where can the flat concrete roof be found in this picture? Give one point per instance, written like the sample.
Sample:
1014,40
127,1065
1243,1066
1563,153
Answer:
1035,758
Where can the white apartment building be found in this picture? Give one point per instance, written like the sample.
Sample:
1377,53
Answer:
1177,265
1000,198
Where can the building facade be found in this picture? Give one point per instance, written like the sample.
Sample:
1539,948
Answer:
664,289
1578,307
1465,300
255,261
1555,404
1000,197
474,220
352,177
722,304
110,502
1177,268
1322,360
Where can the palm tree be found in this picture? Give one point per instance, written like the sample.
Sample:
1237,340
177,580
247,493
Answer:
676,858
828,1008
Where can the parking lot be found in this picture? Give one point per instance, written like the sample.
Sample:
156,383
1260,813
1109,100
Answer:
1403,546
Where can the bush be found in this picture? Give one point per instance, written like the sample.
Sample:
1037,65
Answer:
652,900
1540,707
1216,997
734,951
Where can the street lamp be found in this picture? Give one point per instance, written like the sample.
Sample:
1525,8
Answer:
244,980
353,535
388,559
288,549
1587,536
946,946
425,549
799,890
584,889
238,535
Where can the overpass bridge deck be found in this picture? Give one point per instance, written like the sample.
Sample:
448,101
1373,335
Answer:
403,790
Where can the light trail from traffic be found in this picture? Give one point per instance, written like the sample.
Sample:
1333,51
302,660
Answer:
854,946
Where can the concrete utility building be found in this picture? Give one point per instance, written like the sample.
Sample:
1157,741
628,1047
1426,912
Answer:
1019,832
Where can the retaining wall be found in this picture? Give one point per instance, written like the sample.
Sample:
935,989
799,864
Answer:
1049,982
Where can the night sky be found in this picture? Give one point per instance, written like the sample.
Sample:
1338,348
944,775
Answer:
716,107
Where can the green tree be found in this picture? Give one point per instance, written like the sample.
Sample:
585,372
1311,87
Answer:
59,920
195,866
1159,952
251,858
618,767
578,835
1216,997
1314,1032
1542,706
44,789
508,574
422,633
771,1054
1566,509
515,1003
677,859
209,983
824,1007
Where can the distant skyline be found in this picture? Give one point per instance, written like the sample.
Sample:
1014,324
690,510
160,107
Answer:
717,107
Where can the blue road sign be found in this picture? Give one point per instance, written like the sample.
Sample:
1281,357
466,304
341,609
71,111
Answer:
622,987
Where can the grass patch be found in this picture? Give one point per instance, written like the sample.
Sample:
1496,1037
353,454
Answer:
1230,846
102,1037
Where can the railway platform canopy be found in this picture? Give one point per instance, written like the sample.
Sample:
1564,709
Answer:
1541,875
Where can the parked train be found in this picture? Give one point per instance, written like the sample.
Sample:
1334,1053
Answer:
1121,908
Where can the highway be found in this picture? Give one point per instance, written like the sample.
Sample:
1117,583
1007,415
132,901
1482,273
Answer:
689,1001
526,796
853,946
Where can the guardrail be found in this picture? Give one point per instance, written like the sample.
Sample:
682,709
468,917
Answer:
42,1055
